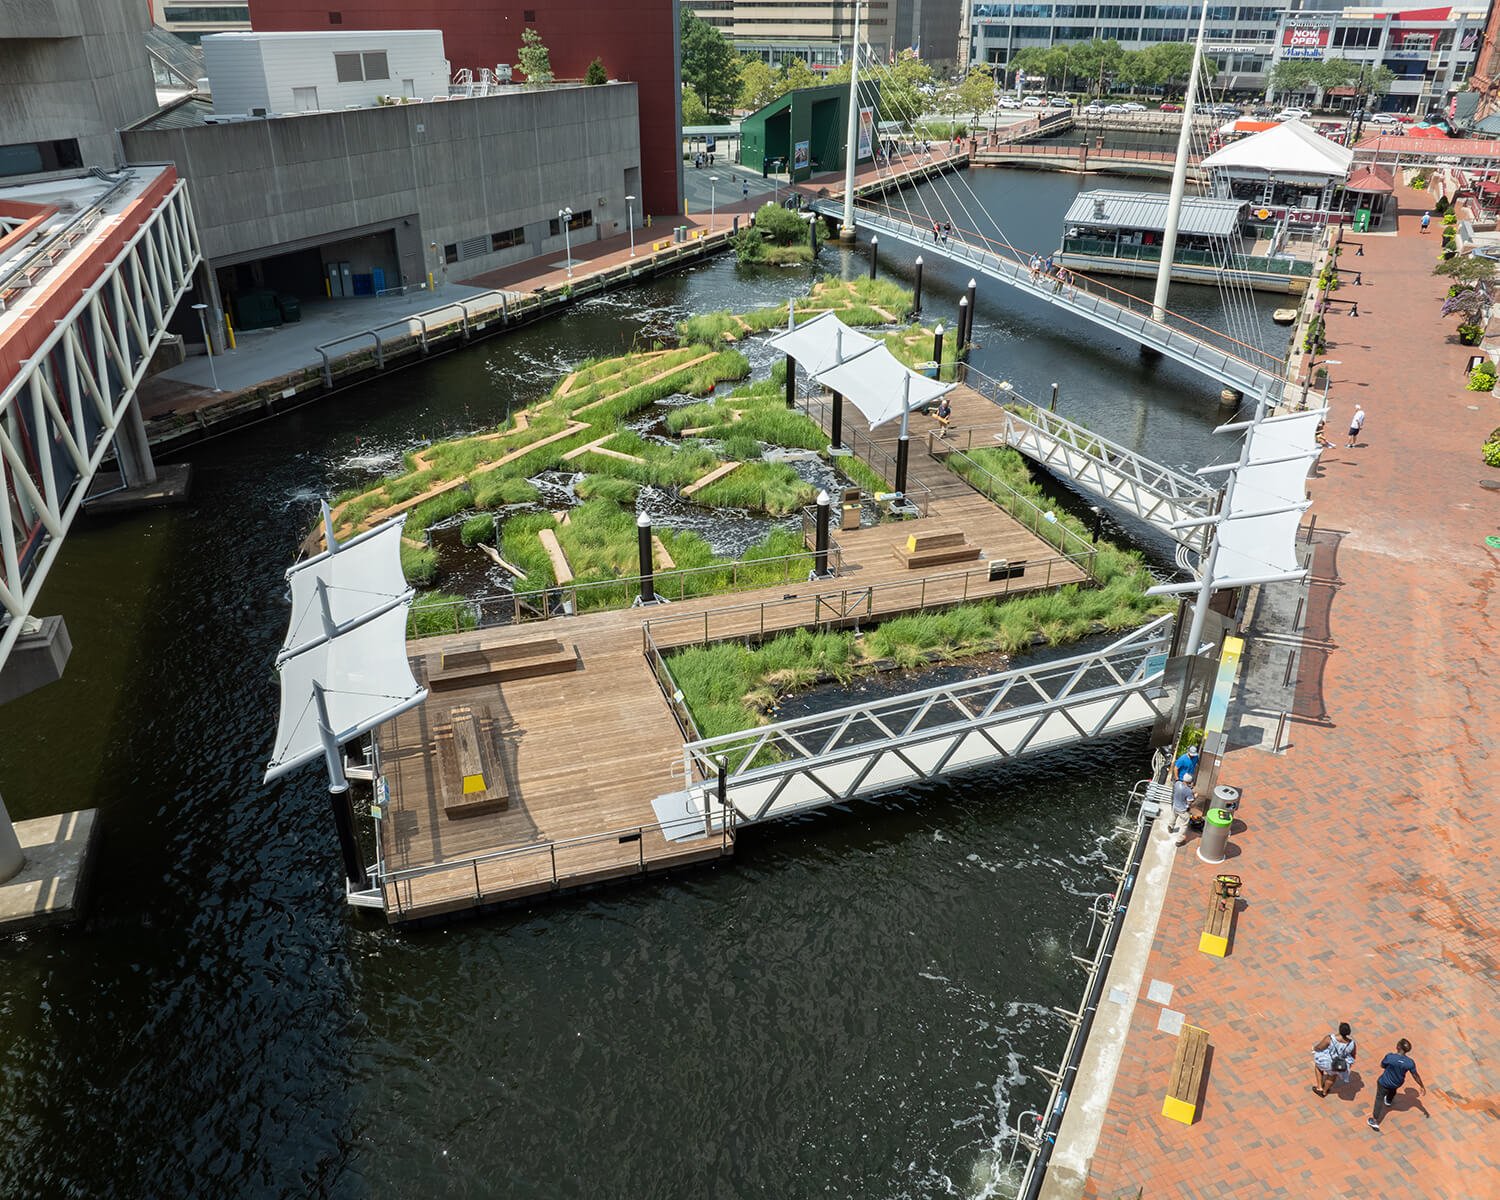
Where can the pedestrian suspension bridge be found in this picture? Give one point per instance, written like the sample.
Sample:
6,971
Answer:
1214,355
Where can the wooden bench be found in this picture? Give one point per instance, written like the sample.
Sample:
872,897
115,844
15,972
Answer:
1186,1084
465,664
934,549
473,781
1222,901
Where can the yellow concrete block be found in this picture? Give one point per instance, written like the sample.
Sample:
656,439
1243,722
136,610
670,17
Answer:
911,544
1211,943
473,783
1179,1110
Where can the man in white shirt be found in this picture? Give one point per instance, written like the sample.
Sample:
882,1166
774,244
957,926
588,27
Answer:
1356,423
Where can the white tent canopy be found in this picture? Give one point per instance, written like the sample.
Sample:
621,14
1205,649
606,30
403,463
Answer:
1279,437
361,576
1255,549
342,688
1289,149
823,342
343,664
881,386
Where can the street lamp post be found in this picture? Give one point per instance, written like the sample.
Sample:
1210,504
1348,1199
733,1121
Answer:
564,217
1327,377
630,221
208,346
713,184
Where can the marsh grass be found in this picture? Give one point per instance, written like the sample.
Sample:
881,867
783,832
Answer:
434,613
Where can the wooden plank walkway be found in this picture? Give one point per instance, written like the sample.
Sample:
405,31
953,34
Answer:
585,753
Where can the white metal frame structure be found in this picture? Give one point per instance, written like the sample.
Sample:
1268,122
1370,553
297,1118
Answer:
59,414
1157,495
1261,377
793,766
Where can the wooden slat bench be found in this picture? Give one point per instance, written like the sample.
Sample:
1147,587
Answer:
461,665
934,549
1186,1083
473,782
1222,901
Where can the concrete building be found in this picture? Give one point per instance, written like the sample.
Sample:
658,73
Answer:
637,43
820,32
71,73
193,20
352,203
257,74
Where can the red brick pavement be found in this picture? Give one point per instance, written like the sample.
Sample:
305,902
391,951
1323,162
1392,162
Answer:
1369,851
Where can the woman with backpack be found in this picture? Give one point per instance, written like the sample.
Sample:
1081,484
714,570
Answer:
1332,1057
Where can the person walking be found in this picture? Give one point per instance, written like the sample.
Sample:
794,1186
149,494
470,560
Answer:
1332,1057
1356,423
1397,1067
1426,221
744,190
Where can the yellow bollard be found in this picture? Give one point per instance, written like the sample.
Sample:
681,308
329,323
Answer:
429,281
229,330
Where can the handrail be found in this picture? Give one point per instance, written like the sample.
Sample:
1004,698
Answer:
1053,531
873,454
79,223
543,600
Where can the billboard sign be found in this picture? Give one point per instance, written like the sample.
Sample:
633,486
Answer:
1303,42
866,133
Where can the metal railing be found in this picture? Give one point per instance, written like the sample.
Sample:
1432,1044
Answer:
570,599
851,605
669,689
807,762
864,447
1023,508
453,312
519,870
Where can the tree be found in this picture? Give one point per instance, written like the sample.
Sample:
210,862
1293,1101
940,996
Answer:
708,63
1292,76
976,93
536,61
1094,61
1172,62
759,85
901,94
693,112
798,75
1135,69
596,73
1467,269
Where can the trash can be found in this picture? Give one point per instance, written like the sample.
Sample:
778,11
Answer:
1215,835
289,307
928,368
1227,798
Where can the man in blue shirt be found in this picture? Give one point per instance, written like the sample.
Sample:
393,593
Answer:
1187,762
1396,1068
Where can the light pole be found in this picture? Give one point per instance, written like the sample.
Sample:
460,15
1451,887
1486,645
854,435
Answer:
713,184
1327,378
208,346
564,216
630,221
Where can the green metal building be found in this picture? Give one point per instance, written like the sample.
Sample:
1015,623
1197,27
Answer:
806,130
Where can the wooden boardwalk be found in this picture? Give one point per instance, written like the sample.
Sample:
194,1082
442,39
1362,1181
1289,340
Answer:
585,753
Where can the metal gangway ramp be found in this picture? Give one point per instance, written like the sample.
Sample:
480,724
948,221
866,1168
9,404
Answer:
1214,355
1157,495
806,763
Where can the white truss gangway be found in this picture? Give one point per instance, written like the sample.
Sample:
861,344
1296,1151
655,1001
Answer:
794,766
1215,355
1159,496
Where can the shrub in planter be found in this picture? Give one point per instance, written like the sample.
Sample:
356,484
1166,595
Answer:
1491,452
1469,335
1450,219
1482,378
1441,207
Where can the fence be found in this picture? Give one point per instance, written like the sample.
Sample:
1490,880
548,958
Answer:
864,447
1025,510
542,604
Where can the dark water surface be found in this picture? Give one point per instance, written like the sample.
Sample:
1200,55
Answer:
855,1007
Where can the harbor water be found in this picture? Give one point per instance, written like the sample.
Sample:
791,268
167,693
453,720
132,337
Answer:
856,1005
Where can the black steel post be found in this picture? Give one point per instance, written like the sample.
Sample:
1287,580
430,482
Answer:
874,253
812,234
1098,520
916,288
937,349
963,327
903,450
820,536
836,423
1052,407
971,294
648,574
791,382
722,787
343,822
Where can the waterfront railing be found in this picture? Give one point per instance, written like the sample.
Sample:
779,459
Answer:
1106,248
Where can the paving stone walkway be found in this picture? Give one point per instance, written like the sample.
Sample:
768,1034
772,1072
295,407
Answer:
1369,850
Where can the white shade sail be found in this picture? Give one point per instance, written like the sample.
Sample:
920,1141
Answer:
823,342
363,678
881,386
344,586
1280,437
1260,487
1253,549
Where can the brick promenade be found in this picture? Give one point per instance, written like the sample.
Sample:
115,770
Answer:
1370,851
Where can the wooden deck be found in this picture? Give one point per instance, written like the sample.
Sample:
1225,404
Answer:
585,753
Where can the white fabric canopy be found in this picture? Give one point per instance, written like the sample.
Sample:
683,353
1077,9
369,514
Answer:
1291,148
881,386
1267,485
1278,437
1254,548
823,342
365,680
359,577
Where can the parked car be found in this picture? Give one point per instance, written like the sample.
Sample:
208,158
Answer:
1032,102
1384,119
1009,102
1095,109
1225,110
1115,108
1407,118
1132,106
1291,114
1170,107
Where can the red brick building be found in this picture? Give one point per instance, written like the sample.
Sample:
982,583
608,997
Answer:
636,41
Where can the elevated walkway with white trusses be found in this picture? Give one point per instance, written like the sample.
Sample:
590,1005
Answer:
1216,356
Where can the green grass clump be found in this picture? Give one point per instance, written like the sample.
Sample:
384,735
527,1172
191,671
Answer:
435,613
500,487
419,564
607,487
741,447
760,486
439,508
519,547
478,529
